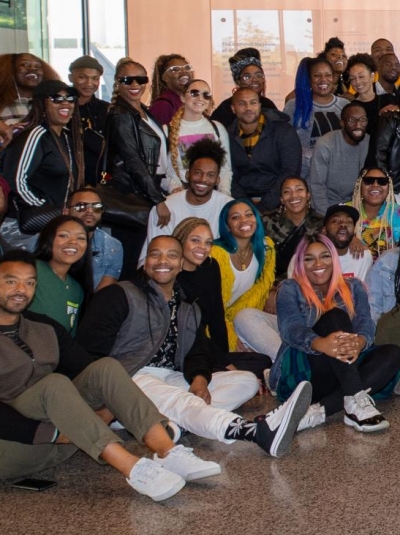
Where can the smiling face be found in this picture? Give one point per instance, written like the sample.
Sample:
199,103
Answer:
203,178
90,218
294,197
318,266
196,105
17,287
28,72
175,79
69,246
133,93
354,124
381,47
375,194
164,261
197,247
252,77
361,79
85,81
241,221
59,115
338,59
340,230
389,68
321,80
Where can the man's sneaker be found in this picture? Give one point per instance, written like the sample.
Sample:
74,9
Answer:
184,462
314,416
360,413
149,478
275,430
266,373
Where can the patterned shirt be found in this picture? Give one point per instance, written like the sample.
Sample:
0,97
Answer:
16,112
250,140
165,356
375,238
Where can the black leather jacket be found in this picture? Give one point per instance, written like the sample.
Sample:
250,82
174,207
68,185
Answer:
132,159
384,147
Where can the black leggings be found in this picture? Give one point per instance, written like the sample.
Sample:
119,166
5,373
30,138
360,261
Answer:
332,379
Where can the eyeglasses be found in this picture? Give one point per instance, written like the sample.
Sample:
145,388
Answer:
196,93
128,80
97,207
59,99
178,68
355,120
249,76
380,180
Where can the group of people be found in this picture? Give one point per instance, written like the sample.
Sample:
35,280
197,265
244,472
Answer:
270,235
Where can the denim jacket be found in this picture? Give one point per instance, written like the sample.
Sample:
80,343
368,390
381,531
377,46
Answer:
380,283
296,319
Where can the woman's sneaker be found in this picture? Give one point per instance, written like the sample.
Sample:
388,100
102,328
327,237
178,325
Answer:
149,478
184,462
314,416
275,430
360,413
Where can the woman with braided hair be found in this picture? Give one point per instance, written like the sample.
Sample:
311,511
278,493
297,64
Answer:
246,71
188,126
171,74
379,225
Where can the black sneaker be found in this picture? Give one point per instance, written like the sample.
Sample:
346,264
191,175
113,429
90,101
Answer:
275,430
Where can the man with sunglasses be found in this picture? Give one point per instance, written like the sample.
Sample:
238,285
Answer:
85,78
338,158
107,251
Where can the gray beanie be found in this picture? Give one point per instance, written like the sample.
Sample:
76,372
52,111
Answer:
86,62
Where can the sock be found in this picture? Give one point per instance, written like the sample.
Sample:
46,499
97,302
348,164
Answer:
240,429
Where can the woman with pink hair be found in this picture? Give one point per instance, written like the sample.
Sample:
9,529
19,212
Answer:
327,332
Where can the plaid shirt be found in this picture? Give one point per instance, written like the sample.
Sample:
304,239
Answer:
16,112
250,140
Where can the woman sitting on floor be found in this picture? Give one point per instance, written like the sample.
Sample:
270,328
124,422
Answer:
64,271
327,332
246,259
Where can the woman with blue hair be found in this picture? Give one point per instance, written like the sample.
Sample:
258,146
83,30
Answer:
316,110
246,259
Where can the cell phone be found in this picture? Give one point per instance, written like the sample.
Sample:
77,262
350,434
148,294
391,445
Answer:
34,484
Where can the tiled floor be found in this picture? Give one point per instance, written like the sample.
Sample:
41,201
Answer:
335,481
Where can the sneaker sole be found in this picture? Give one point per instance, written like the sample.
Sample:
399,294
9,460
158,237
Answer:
294,413
214,471
168,493
366,428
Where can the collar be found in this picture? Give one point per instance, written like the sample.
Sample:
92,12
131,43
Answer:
259,128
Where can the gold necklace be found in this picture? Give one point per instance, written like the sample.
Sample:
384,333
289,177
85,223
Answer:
242,256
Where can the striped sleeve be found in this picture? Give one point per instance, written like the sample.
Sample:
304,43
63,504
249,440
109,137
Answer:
23,170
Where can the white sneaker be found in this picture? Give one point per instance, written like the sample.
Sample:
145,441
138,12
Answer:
266,373
275,430
314,416
183,461
360,413
149,478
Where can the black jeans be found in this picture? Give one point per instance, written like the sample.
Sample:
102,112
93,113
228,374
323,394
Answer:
333,379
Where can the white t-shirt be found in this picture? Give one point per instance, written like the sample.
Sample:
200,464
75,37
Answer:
244,280
189,133
351,267
180,209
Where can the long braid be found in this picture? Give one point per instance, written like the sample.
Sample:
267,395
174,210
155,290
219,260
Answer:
174,128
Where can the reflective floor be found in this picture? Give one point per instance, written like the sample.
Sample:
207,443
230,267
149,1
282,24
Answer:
334,481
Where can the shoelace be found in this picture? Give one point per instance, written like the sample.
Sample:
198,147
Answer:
149,470
182,450
365,400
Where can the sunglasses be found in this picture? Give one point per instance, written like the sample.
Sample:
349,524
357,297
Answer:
128,80
178,68
196,93
97,207
370,180
59,99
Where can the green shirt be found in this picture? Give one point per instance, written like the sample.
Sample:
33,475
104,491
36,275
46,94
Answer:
61,300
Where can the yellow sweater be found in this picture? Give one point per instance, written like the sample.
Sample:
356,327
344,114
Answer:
255,297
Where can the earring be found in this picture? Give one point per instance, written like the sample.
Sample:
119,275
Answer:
282,209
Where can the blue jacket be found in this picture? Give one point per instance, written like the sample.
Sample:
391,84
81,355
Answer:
276,156
296,320
380,283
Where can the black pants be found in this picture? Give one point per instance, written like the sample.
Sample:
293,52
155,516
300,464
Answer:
333,379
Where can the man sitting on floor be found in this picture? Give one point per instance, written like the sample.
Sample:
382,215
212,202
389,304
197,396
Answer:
160,341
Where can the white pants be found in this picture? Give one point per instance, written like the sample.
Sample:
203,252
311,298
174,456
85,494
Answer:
168,390
259,331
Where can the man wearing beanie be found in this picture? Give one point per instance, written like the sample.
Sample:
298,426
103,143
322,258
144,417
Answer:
247,72
85,78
